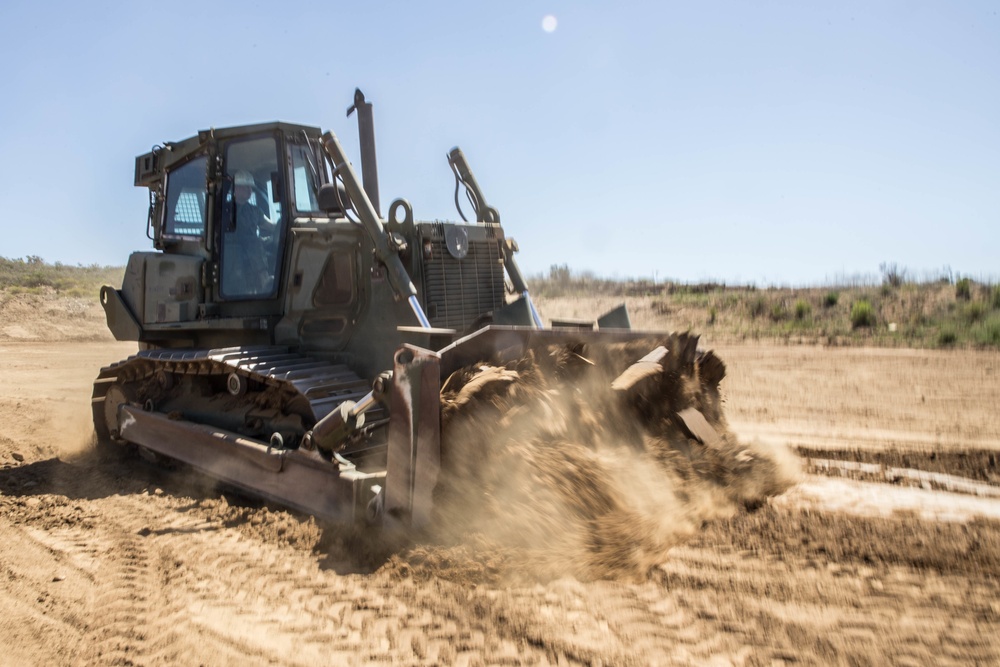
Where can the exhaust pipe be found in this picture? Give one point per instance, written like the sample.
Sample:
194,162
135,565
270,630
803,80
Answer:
366,136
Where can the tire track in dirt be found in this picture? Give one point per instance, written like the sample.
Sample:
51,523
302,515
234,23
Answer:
180,580
572,622
132,605
609,623
131,614
812,615
38,609
167,580
119,615
172,584
794,598
253,599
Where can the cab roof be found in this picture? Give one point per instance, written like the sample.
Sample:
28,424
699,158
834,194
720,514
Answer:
150,166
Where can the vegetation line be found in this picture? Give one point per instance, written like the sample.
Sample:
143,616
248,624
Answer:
900,311
33,275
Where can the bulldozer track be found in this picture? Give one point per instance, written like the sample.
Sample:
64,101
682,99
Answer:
319,384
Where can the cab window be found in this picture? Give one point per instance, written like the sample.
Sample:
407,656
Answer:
185,209
306,179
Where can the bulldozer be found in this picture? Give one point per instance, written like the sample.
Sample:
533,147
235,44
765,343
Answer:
296,344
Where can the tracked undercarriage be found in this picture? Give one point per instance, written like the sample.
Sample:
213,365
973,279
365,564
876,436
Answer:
256,392
240,414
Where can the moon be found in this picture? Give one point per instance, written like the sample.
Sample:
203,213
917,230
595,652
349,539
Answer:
549,23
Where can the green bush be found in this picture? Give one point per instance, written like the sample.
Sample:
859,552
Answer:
988,332
757,306
37,279
778,312
975,311
802,309
713,313
946,337
830,300
862,314
963,289
996,296
33,274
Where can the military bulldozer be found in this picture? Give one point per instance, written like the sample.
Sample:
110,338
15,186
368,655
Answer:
294,343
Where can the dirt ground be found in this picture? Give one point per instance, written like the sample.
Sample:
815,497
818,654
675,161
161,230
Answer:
886,552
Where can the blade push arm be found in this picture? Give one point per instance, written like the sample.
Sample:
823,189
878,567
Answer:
386,253
487,214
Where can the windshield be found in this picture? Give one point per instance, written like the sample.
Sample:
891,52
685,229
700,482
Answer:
305,180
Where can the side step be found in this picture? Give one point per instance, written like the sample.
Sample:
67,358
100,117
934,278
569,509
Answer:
302,480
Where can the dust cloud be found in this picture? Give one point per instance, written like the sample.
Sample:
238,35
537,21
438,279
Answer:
548,471
78,443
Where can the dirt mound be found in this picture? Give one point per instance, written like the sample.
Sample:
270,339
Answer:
49,316
549,470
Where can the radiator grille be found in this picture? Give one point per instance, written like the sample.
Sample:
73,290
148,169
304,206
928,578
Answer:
457,292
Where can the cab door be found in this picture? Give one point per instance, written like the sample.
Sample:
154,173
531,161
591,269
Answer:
251,221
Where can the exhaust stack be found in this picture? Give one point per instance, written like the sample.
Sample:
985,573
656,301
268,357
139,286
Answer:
366,136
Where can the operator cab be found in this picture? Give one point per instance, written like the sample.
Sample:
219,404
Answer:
228,196
222,204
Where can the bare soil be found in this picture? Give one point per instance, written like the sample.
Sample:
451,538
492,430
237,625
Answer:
118,562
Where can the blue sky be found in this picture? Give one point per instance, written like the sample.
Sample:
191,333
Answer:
772,142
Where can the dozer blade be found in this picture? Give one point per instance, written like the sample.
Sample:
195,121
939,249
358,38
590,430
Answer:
299,479
503,343
448,408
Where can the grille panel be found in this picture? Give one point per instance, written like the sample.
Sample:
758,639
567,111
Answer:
458,292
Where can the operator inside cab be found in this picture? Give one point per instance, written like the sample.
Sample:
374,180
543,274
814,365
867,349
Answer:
249,242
